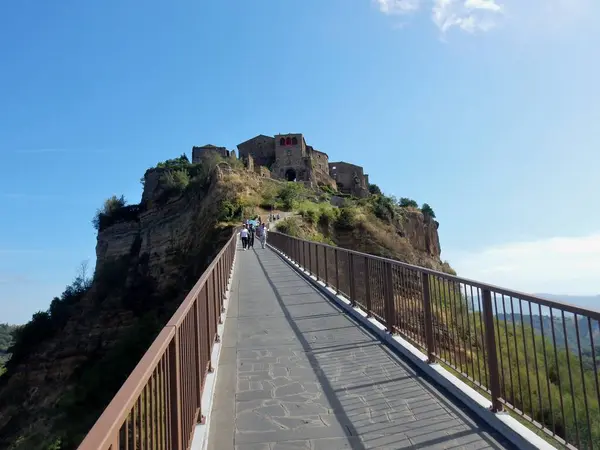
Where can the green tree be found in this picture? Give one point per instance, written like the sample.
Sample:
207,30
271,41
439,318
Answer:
289,194
176,180
175,164
427,210
384,208
110,206
407,203
374,189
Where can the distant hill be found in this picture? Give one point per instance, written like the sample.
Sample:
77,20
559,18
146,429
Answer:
585,301
588,331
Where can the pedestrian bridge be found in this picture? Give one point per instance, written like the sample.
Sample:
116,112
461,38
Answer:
306,346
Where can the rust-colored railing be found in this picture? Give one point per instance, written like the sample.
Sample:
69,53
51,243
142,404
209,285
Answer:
536,357
159,405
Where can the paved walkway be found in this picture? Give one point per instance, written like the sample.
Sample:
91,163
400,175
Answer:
296,373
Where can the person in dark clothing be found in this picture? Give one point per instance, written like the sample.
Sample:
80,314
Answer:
251,232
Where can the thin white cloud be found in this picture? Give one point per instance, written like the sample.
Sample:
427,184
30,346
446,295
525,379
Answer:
473,16
398,6
563,265
468,15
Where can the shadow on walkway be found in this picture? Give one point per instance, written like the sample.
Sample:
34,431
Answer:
309,377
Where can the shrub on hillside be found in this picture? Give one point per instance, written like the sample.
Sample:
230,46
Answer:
175,180
289,226
374,189
384,208
347,219
329,214
290,194
310,212
328,189
407,203
175,164
427,210
447,268
230,210
110,207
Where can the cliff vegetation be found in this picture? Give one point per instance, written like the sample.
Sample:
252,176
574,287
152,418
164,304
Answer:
6,337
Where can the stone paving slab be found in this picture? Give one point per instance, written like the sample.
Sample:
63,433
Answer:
302,375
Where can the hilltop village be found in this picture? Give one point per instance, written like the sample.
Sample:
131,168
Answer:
288,157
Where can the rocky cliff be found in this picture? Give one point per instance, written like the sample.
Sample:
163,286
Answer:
70,363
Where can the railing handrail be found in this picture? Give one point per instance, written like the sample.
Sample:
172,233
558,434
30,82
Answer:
102,434
567,307
530,357
118,409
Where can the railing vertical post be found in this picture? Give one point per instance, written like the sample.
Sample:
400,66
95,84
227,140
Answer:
223,282
309,259
351,278
175,393
337,272
317,261
216,295
198,353
492,355
326,267
368,299
428,319
390,306
306,256
210,338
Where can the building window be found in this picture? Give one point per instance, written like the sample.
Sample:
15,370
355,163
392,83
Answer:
288,141
282,141
294,141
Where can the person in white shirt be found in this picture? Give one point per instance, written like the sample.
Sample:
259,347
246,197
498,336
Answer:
261,232
244,236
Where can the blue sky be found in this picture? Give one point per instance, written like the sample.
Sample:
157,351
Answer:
486,110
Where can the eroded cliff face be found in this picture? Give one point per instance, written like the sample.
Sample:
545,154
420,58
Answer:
144,269
421,231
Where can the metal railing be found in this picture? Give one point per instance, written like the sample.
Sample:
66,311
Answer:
535,357
159,404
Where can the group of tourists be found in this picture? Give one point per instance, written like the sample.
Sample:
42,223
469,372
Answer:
252,229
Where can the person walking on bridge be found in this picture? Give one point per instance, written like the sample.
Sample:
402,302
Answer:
261,232
251,232
244,236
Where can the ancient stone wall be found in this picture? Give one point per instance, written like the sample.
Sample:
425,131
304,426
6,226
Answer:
198,152
249,163
261,147
350,178
262,171
321,160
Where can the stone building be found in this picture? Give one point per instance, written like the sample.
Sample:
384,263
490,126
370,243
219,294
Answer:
288,157
349,178
262,149
197,152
